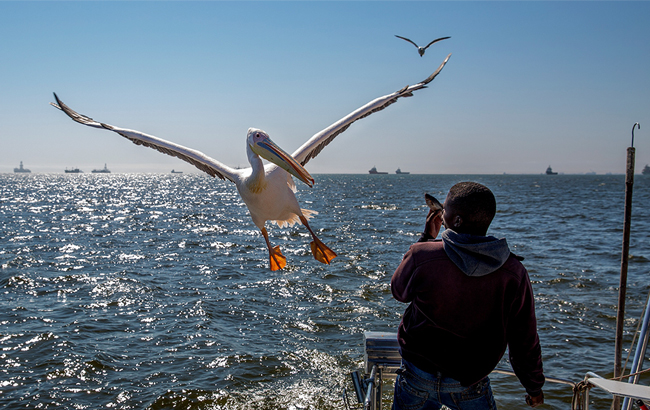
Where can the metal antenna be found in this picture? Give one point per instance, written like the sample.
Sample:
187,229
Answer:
625,254
637,125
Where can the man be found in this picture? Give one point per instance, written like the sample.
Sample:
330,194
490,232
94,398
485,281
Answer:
470,298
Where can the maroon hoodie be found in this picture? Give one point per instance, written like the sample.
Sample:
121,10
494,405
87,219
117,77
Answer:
460,325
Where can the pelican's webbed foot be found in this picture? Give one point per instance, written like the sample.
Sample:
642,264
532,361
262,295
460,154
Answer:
277,260
321,252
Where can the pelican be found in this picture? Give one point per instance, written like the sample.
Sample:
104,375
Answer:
421,50
267,190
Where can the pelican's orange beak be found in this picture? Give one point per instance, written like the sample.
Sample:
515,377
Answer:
268,150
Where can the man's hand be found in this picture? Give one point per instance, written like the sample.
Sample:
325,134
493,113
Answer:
433,223
534,401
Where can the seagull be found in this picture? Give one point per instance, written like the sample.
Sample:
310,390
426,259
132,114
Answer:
267,190
422,49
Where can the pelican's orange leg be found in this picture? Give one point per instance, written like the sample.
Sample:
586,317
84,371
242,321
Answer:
277,260
321,252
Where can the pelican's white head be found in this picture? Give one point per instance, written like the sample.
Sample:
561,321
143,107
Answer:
260,143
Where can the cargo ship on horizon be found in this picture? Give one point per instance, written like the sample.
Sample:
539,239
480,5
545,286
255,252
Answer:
21,169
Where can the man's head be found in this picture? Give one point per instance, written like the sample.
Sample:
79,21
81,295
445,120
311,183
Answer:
469,208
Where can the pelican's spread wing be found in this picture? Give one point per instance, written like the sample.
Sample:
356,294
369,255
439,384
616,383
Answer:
320,140
435,41
196,158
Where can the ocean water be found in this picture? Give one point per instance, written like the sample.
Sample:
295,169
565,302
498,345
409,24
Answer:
151,291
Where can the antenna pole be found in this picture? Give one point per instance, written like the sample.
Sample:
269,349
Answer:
622,289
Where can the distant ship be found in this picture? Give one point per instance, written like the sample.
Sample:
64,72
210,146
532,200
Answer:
73,171
21,169
373,170
646,170
399,171
101,171
549,171
176,172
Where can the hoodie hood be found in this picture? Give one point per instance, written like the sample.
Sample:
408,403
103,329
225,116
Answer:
475,255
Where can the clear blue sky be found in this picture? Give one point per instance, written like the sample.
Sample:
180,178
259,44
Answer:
529,84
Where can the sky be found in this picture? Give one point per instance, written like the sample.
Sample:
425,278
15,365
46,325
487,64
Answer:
529,84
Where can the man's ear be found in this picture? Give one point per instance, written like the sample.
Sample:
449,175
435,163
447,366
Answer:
458,221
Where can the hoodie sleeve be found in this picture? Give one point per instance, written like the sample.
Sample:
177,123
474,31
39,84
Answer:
523,341
400,282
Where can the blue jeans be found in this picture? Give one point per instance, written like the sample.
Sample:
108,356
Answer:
417,389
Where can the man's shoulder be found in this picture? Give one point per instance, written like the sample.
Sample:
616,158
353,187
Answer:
424,251
428,246
514,266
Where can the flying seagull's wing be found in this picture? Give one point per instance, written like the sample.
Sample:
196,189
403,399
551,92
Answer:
315,144
196,158
435,41
404,38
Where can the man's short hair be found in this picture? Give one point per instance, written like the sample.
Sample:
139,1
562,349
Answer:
476,205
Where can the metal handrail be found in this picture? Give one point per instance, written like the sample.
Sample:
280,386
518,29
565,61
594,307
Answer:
371,388
548,379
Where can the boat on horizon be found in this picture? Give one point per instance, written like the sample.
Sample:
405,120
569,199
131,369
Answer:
646,170
399,171
101,171
549,171
21,169
73,171
373,170
176,172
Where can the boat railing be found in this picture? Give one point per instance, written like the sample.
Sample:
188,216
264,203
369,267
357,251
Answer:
382,360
